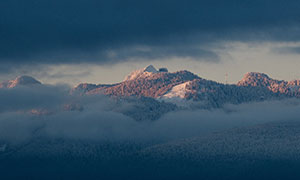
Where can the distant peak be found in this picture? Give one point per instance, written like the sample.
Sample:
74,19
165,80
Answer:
27,80
256,75
20,80
256,79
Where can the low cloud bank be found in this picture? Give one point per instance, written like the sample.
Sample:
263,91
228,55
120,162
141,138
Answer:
101,117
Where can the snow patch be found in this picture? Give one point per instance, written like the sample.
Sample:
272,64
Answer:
178,91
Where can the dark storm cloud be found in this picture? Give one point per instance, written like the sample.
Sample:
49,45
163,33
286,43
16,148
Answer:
64,31
159,52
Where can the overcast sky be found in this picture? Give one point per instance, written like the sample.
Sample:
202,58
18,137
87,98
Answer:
101,41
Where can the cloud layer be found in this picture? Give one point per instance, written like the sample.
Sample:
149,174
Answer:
111,31
103,118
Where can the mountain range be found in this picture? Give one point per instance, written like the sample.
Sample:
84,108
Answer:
154,92
183,86
88,136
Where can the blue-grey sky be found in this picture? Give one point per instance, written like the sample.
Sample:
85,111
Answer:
103,40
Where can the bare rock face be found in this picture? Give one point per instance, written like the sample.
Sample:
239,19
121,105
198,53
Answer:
20,81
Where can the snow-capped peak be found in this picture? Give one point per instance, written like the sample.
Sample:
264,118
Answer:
141,72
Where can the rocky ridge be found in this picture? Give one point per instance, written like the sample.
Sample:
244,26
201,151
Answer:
184,85
153,92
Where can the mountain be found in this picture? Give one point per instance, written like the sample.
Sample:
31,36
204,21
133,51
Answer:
266,151
147,82
64,149
140,109
254,79
20,81
183,86
153,92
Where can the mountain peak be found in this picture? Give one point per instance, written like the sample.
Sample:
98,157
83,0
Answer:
255,79
141,72
26,80
20,80
150,68
256,75
263,80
